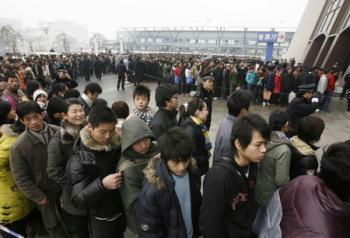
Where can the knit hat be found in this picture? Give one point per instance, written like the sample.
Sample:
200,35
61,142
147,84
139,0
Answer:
37,93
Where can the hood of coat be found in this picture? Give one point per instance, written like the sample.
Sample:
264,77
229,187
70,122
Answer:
157,173
133,130
90,143
7,130
69,133
277,138
302,147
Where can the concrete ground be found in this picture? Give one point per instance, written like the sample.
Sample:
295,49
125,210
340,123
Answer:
337,121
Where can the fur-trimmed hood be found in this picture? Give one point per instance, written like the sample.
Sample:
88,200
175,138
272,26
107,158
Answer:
89,142
157,173
302,147
69,133
7,130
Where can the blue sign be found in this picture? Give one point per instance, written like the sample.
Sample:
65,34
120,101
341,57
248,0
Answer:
267,37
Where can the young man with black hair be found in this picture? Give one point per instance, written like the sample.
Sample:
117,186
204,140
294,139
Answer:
170,195
141,97
238,105
319,203
28,160
229,206
90,94
92,178
165,117
12,94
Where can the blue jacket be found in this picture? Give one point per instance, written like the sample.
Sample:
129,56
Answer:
250,78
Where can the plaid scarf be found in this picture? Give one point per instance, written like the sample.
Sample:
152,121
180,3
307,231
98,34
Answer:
146,116
205,132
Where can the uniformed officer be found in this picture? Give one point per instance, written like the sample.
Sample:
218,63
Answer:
301,106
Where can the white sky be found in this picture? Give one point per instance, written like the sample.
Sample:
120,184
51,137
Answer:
105,16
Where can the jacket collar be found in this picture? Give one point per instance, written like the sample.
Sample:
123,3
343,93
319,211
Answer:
69,133
90,143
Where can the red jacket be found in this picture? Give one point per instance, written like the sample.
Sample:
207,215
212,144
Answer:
331,83
277,84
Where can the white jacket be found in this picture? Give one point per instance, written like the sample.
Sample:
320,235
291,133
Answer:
322,84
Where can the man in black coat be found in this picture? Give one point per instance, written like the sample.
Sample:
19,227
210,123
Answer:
301,106
165,117
205,92
121,71
86,67
92,177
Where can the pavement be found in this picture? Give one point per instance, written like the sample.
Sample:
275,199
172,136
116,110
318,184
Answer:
337,121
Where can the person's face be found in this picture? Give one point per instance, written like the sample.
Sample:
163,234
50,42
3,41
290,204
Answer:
12,84
63,74
141,102
173,103
42,99
11,115
178,168
202,114
92,96
75,115
255,151
2,86
208,85
33,121
308,95
103,133
141,146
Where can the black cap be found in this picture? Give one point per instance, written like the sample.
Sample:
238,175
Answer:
307,87
207,78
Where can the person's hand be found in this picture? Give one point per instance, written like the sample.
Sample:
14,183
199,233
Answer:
44,201
112,181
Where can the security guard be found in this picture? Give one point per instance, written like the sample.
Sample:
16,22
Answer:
301,106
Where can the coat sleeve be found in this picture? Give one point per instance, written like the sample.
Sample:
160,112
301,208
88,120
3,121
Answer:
282,166
149,217
56,163
213,207
218,143
84,192
129,192
21,173
158,129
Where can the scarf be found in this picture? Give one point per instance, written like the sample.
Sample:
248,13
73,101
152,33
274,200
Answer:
204,130
145,116
69,133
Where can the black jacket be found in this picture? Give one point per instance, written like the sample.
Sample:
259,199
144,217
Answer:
229,206
162,121
208,98
85,172
158,213
199,151
59,150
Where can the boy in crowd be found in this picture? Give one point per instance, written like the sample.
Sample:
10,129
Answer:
229,206
141,97
165,117
93,182
90,94
28,160
238,105
137,150
170,195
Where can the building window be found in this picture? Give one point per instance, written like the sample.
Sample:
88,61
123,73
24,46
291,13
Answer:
192,41
201,41
332,10
159,40
142,40
149,40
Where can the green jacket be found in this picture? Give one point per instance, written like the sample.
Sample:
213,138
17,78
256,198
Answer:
132,164
273,171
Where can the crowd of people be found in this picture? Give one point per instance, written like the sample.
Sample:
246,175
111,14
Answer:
73,166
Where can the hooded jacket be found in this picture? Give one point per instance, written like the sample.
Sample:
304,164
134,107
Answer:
14,206
273,171
85,172
229,205
132,164
158,213
303,157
